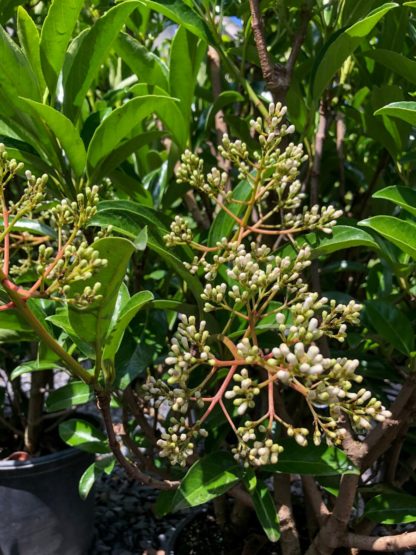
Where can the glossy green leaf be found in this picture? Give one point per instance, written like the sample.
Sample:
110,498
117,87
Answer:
92,323
223,99
344,237
395,62
95,470
405,111
18,78
61,320
223,223
266,511
80,433
128,218
30,43
90,54
128,312
402,196
185,61
179,12
119,124
56,33
312,460
69,395
410,4
343,45
13,328
391,508
352,10
148,67
209,477
63,129
33,227
391,324
6,9
34,366
400,232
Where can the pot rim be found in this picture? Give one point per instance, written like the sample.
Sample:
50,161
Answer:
43,460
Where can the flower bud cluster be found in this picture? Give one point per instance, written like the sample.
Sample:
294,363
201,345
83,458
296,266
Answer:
188,350
252,451
180,233
8,168
77,213
244,392
177,443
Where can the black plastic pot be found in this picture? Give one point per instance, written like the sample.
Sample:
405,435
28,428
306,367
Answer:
41,512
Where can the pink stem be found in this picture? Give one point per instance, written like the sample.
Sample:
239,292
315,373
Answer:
218,396
228,417
6,259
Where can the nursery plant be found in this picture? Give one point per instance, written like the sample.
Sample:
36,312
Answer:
270,364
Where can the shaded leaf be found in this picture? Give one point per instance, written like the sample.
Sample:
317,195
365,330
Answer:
95,470
343,45
73,393
30,43
400,232
391,508
402,196
391,324
180,13
395,62
266,511
405,111
34,366
80,433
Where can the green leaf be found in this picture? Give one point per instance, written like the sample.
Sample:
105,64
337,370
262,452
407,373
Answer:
343,45
14,328
30,43
185,61
92,323
180,13
410,4
222,100
344,237
55,35
266,511
209,477
63,129
391,324
223,223
73,393
89,477
128,312
399,232
33,227
61,320
315,460
119,124
6,9
91,53
391,508
402,196
34,366
395,62
83,435
405,111
148,67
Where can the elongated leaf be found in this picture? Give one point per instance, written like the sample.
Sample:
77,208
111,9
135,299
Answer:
61,320
118,125
16,73
30,43
6,9
344,237
391,324
64,131
224,223
391,508
32,226
208,478
92,323
185,61
402,196
266,511
223,99
401,233
148,67
71,394
405,111
179,12
128,312
395,62
338,50
91,53
34,366
80,433
56,33
317,461
14,328
89,477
